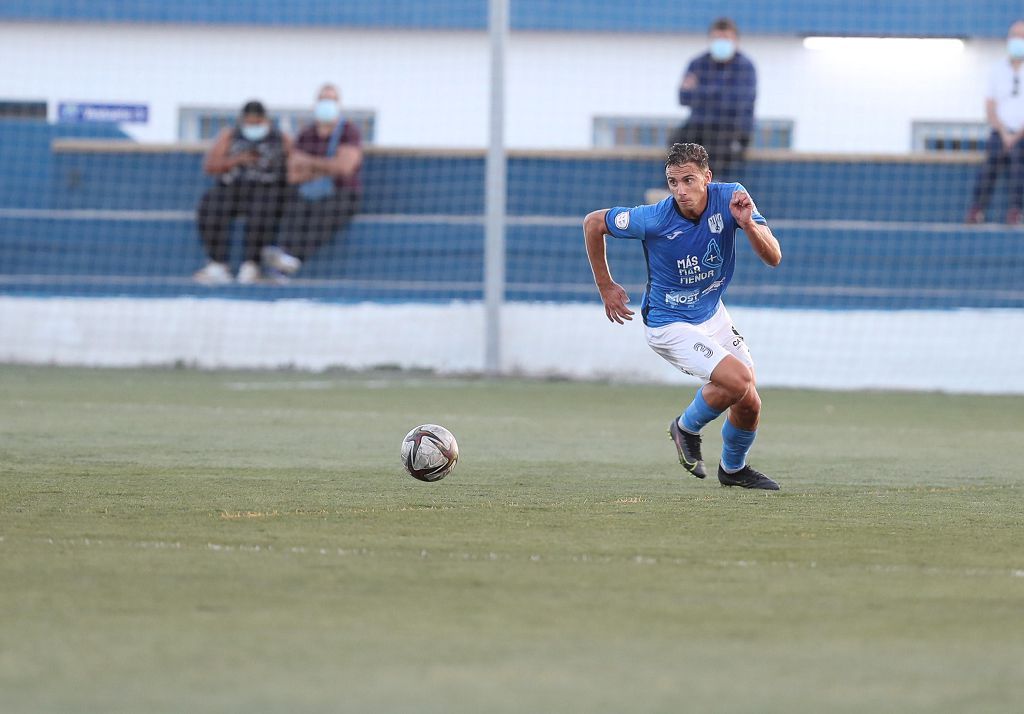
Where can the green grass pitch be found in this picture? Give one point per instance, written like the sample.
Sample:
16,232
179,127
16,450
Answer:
175,541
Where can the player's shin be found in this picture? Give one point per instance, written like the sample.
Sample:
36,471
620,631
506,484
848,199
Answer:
736,445
698,415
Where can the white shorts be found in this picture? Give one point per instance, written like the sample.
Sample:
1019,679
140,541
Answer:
697,349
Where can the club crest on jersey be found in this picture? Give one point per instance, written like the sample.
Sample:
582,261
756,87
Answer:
713,257
622,221
715,223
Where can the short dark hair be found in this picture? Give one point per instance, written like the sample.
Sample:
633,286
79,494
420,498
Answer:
724,23
254,108
679,154
328,85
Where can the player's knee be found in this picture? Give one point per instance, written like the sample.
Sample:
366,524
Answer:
736,379
746,413
749,407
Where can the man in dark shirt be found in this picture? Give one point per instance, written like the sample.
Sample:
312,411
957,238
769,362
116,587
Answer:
719,86
248,160
323,169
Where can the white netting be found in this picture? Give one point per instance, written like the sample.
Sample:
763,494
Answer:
863,156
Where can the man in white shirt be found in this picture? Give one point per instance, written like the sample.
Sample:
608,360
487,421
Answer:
1004,109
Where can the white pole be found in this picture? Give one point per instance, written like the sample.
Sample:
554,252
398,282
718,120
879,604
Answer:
495,191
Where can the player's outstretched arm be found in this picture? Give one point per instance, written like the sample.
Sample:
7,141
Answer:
612,294
761,238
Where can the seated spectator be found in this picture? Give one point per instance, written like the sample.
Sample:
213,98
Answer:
326,189
249,161
1004,110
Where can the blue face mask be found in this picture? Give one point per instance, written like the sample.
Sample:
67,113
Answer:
1015,46
326,110
722,50
255,132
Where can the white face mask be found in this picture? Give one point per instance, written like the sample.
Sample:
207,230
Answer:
722,49
1015,46
255,132
326,110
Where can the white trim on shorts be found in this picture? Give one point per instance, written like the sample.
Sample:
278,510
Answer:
696,349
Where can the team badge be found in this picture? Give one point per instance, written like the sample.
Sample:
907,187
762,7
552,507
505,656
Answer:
715,223
713,257
622,221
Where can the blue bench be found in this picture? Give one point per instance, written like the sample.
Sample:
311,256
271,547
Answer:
835,265
101,219
569,184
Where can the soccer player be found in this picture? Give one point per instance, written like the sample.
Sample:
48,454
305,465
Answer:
690,246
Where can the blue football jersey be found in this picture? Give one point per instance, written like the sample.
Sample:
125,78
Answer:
689,263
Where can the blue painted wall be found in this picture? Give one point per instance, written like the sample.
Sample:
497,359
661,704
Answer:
851,232
984,18
408,260
422,14
410,184
26,174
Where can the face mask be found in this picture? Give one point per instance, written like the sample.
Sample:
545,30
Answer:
326,110
1015,46
722,50
255,132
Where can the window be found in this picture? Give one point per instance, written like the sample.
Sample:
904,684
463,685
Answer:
621,131
203,123
949,136
22,109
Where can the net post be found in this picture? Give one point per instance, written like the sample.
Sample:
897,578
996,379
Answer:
495,190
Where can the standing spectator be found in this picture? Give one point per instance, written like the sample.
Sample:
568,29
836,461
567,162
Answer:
248,160
720,87
327,192
1004,110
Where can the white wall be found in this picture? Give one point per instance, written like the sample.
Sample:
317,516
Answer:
429,88
825,349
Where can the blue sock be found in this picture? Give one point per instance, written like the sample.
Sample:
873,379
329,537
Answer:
698,414
736,445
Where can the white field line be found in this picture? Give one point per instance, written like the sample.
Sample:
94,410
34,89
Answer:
491,556
212,409
303,385
375,383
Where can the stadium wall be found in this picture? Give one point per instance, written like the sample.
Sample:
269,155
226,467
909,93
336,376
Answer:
952,351
95,272
429,88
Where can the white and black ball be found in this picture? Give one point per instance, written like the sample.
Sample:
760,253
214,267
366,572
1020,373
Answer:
429,452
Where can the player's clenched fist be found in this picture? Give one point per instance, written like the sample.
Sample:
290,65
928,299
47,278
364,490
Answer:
615,299
742,207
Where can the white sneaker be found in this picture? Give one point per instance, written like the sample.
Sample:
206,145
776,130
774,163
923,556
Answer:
276,277
213,273
248,273
277,259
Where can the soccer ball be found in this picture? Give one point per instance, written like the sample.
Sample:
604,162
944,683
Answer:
429,452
